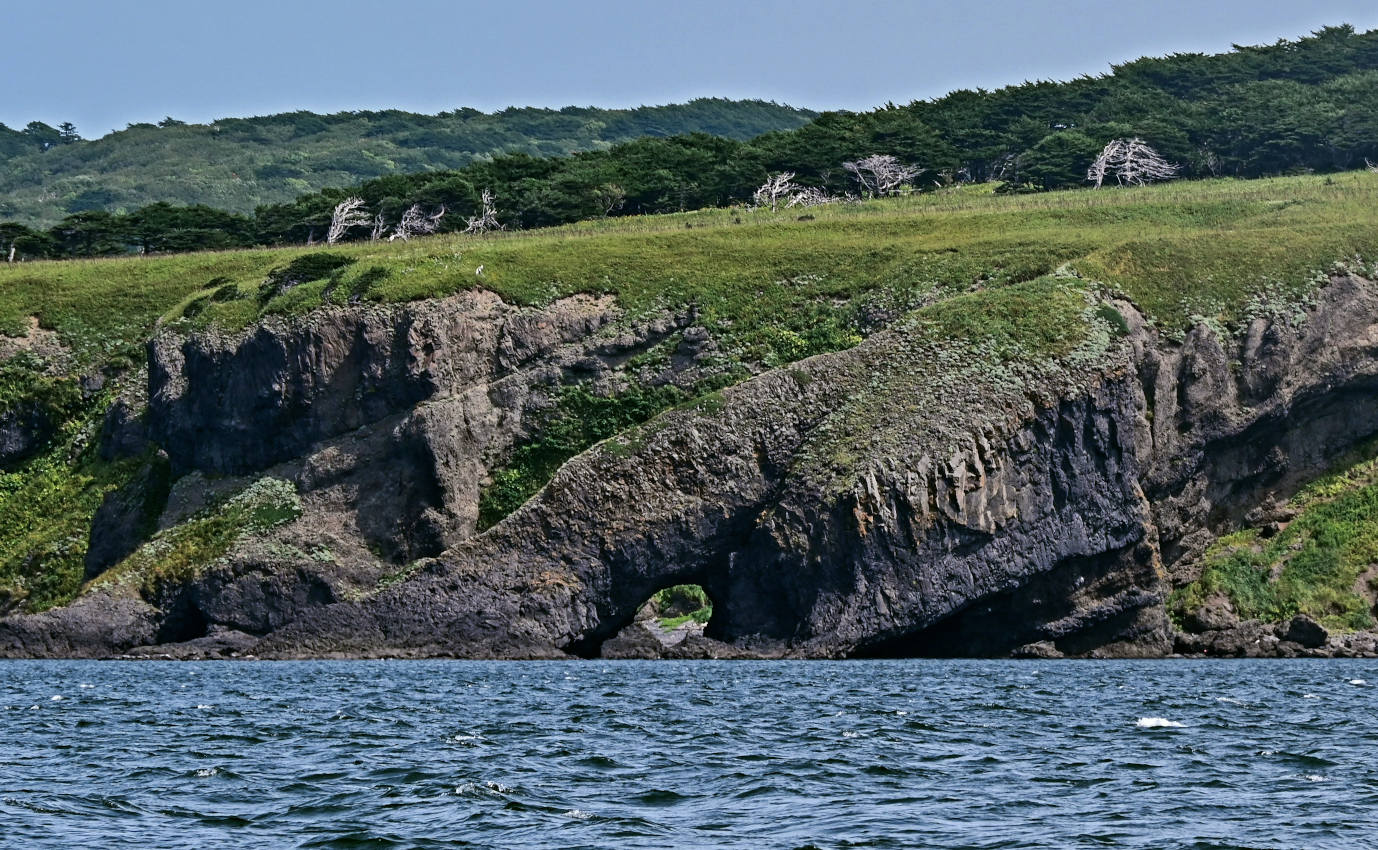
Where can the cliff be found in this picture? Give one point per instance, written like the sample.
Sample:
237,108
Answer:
1038,467
906,496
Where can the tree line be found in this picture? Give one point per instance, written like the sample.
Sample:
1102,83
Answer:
237,164
1291,107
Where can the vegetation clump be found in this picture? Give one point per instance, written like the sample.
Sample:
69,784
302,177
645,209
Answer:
682,603
49,495
1322,563
180,553
578,419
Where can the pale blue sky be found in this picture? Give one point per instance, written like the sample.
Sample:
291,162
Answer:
105,63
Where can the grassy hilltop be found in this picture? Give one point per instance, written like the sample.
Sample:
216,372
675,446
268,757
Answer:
986,271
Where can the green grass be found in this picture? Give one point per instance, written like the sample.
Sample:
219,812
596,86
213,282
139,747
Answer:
47,500
181,552
1200,249
689,599
578,420
1320,564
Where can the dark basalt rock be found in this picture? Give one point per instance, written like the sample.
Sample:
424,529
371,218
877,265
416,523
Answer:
24,430
1305,632
128,516
960,511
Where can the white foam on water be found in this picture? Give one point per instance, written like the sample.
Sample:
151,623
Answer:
203,706
33,707
1357,682
497,786
1158,723
851,734
208,771
578,814
902,713
1230,700
464,739
1314,777
1309,696
85,686
55,698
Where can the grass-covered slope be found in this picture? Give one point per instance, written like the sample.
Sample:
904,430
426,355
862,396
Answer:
772,288
1323,562
1182,252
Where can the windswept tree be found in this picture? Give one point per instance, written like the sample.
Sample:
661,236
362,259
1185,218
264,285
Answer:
1133,162
380,228
609,197
776,188
880,174
810,196
348,213
487,219
415,222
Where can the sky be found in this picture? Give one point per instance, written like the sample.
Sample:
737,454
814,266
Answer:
103,64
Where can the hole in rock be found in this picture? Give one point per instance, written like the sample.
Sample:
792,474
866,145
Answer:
683,606
668,616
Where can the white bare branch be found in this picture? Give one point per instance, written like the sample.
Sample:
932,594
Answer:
1133,162
380,227
775,189
348,213
1370,166
810,196
1004,168
417,223
609,197
881,174
487,219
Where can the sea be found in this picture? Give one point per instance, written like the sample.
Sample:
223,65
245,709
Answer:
694,754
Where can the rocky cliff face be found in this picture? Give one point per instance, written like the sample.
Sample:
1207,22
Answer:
903,497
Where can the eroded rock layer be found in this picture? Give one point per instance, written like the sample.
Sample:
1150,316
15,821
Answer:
905,497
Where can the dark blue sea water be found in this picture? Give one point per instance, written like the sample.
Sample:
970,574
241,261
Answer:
1208,754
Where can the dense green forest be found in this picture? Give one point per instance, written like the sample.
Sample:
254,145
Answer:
236,164
1309,105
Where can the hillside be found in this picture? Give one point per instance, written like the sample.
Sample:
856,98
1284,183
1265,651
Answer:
1295,107
950,423
236,164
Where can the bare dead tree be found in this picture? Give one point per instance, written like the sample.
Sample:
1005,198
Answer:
1133,162
1004,168
380,227
881,174
348,213
11,252
1208,160
415,222
776,188
1369,165
810,196
487,219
